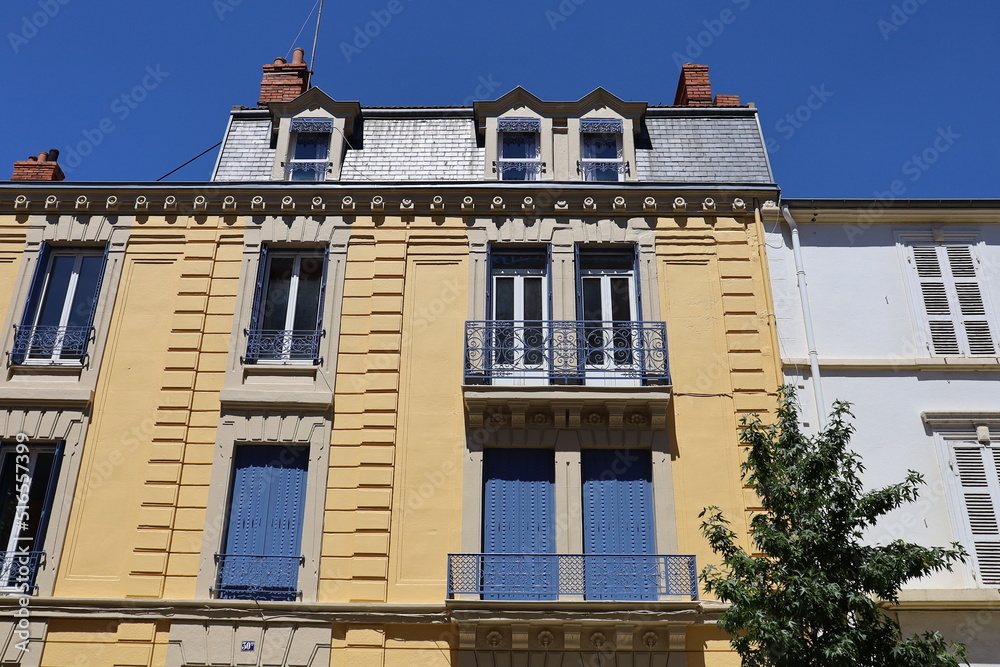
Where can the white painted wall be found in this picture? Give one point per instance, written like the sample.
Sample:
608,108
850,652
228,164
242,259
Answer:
861,304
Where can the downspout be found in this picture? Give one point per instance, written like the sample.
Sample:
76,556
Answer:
800,276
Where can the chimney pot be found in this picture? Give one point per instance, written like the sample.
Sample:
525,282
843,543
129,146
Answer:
41,167
284,81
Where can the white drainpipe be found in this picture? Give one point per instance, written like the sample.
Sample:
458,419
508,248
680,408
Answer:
800,274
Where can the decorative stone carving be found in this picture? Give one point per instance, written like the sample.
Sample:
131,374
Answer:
498,203
111,203
594,419
494,639
406,204
649,203
708,204
546,639
257,203
317,204
650,639
288,203
638,419
589,203
598,639
619,202
348,203
170,203
739,205
229,203
51,202
200,203
437,203
680,204
378,203
21,202
82,203
468,202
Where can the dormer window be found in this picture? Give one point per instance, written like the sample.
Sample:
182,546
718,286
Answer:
601,150
310,149
520,149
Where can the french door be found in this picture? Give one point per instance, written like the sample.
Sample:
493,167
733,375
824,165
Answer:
608,308
520,309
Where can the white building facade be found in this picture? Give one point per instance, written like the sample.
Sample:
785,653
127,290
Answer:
894,307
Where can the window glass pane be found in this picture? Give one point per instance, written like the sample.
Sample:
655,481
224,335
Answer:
519,146
532,298
275,304
25,527
311,146
621,299
307,301
600,146
503,299
615,261
60,272
86,290
591,301
522,261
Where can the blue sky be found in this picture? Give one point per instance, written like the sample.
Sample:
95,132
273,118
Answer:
853,95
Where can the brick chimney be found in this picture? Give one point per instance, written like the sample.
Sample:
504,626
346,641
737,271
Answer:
284,81
695,90
41,168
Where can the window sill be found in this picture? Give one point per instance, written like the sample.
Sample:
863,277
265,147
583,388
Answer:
923,363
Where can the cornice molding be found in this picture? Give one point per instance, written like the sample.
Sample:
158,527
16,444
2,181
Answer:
480,199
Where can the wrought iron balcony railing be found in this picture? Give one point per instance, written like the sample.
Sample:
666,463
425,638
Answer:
283,345
551,576
566,352
307,171
50,344
19,569
251,577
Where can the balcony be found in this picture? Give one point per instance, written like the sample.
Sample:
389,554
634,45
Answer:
502,352
572,576
281,345
252,577
50,344
19,569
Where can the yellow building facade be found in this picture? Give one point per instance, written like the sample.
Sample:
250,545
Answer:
431,418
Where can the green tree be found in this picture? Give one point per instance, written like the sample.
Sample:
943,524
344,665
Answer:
812,597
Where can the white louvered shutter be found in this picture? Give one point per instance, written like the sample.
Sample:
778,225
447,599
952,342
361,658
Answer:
978,470
953,300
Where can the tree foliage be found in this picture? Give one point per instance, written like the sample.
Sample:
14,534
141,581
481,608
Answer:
811,596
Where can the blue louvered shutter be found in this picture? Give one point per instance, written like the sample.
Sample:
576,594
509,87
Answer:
265,520
618,519
322,299
518,519
259,295
34,299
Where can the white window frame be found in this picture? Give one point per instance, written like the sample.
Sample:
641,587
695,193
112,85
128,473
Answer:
293,295
537,166
590,165
948,297
78,254
14,540
293,143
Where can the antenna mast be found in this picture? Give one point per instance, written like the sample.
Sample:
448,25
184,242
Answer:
312,61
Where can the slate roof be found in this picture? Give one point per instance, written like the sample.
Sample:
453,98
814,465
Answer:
416,149
246,152
677,146
709,149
